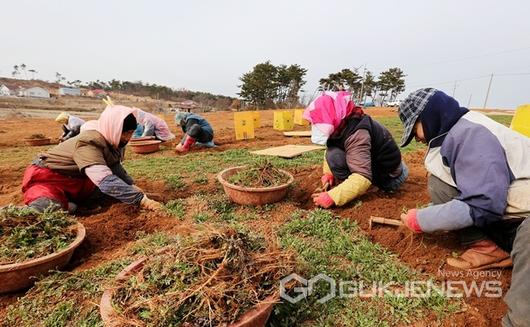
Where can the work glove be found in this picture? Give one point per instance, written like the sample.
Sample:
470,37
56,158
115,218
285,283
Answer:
149,204
410,220
323,200
180,148
327,179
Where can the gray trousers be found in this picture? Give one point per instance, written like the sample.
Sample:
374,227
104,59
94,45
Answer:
512,236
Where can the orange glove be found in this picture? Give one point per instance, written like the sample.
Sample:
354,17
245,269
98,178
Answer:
323,200
411,221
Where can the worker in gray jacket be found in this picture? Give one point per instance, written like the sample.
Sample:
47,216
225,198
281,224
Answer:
480,186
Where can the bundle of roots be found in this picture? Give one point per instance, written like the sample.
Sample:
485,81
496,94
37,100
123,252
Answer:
210,279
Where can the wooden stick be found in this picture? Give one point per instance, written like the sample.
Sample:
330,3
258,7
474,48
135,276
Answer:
384,221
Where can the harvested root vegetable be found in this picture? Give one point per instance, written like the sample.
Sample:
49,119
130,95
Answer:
209,279
26,234
261,174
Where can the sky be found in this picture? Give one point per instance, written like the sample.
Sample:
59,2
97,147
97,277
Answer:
207,45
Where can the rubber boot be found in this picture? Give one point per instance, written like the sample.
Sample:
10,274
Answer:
188,143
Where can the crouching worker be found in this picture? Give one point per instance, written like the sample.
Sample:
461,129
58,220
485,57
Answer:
360,151
151,125
71,125
69,173
197,131
479,185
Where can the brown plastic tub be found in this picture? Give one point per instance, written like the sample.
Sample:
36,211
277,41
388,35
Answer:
37,142
255,317
253,195
145,146
18,276
143,138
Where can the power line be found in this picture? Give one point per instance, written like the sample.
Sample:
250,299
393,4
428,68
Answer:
491,54
450,82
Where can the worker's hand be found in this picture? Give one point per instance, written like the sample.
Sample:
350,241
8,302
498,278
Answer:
410,221
149,204
180,148
322,200
327,179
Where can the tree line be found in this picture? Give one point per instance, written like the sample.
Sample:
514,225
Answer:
269,86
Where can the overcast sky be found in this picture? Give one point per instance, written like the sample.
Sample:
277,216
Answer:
207,45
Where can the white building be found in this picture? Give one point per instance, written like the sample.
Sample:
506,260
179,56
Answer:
73,91
34,92
4,91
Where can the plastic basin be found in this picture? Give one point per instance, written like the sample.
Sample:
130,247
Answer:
253,195
18,276
145,146
255,317
37,142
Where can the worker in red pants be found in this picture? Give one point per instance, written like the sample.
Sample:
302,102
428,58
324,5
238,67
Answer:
69,173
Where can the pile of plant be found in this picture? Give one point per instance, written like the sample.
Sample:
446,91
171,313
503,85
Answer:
209,279
72,298
37,136
26,234
259,174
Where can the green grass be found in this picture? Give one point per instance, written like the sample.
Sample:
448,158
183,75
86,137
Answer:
506,120
204,163
338,248
64,299
176,207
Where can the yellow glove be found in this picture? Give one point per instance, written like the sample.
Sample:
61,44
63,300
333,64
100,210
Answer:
149,204
348,190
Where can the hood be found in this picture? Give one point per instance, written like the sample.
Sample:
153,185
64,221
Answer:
329,109
110,123
440,114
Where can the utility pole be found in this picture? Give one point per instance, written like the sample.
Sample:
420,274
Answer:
454,89
469,101
488,92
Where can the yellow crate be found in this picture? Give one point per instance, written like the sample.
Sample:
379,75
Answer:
298,119
283,120
521,120
257,121
244,125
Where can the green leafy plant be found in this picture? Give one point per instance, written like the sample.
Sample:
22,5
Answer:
27,234
260,174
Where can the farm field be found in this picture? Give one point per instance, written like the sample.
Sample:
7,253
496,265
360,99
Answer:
336,242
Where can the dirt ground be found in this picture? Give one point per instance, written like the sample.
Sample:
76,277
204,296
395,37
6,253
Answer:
109,231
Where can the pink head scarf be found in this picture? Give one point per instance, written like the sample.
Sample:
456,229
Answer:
110,123
328,110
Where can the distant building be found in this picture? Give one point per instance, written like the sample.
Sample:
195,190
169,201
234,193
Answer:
34,92
73,91
187,105
98,93
4,91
